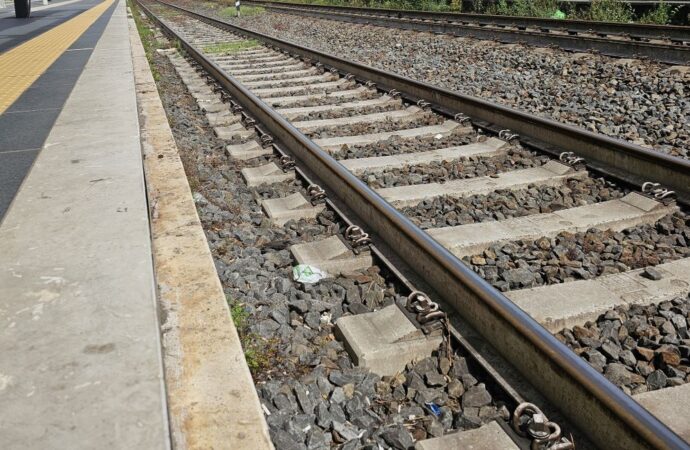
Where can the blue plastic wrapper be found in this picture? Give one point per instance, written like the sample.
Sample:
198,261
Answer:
433,408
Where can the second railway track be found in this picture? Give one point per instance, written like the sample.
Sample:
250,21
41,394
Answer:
410,148
664,43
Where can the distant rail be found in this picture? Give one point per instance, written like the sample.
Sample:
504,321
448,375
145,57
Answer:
664,43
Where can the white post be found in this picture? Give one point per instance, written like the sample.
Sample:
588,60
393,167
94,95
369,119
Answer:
237,5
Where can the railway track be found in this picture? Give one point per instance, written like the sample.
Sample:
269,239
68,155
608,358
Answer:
386,156
664,43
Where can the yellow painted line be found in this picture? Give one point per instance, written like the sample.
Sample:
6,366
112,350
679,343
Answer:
22,65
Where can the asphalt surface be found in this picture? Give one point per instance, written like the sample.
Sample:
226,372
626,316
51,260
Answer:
25,125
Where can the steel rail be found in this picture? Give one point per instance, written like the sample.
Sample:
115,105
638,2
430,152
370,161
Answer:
611,418
634,30
617,47
629,162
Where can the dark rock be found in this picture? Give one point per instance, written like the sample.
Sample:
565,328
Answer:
656,380
398,438
652,274
476,396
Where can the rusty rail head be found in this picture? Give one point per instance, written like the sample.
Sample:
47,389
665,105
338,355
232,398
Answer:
611,418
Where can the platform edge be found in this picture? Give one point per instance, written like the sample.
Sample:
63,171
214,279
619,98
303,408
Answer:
212,400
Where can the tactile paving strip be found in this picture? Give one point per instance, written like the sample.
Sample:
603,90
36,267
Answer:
22,65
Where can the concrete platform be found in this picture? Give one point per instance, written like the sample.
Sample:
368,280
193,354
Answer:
670,405
384,101
384,341
488,437
331,255
212,402
292,207
633,209
564,305
34,90
267,174
550,174
490,147
448,127
80,356
400,116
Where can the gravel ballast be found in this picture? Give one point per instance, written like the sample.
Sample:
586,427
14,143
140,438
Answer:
312,394
639,348
639,101
576,256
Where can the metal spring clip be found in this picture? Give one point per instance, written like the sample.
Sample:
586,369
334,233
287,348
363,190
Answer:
530,422
508,136
655,189
429,315
266,140
357,238
287,163
570,158
316,193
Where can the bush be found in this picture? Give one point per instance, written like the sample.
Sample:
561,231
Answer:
661,15
610,11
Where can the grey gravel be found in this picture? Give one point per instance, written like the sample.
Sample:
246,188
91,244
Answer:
304,377
573,256
639,348
639,101
505,204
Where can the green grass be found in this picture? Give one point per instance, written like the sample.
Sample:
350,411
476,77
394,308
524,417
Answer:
230,47
148,39
258,352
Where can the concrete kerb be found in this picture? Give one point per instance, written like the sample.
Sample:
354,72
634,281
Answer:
212,400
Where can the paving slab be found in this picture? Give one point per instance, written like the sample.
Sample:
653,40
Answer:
384,341
400,116
248,150
332,256
267,174
80,356
550,174
445,129
383,101
619,214
292,207
670,405
487,437
490,147
573,303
